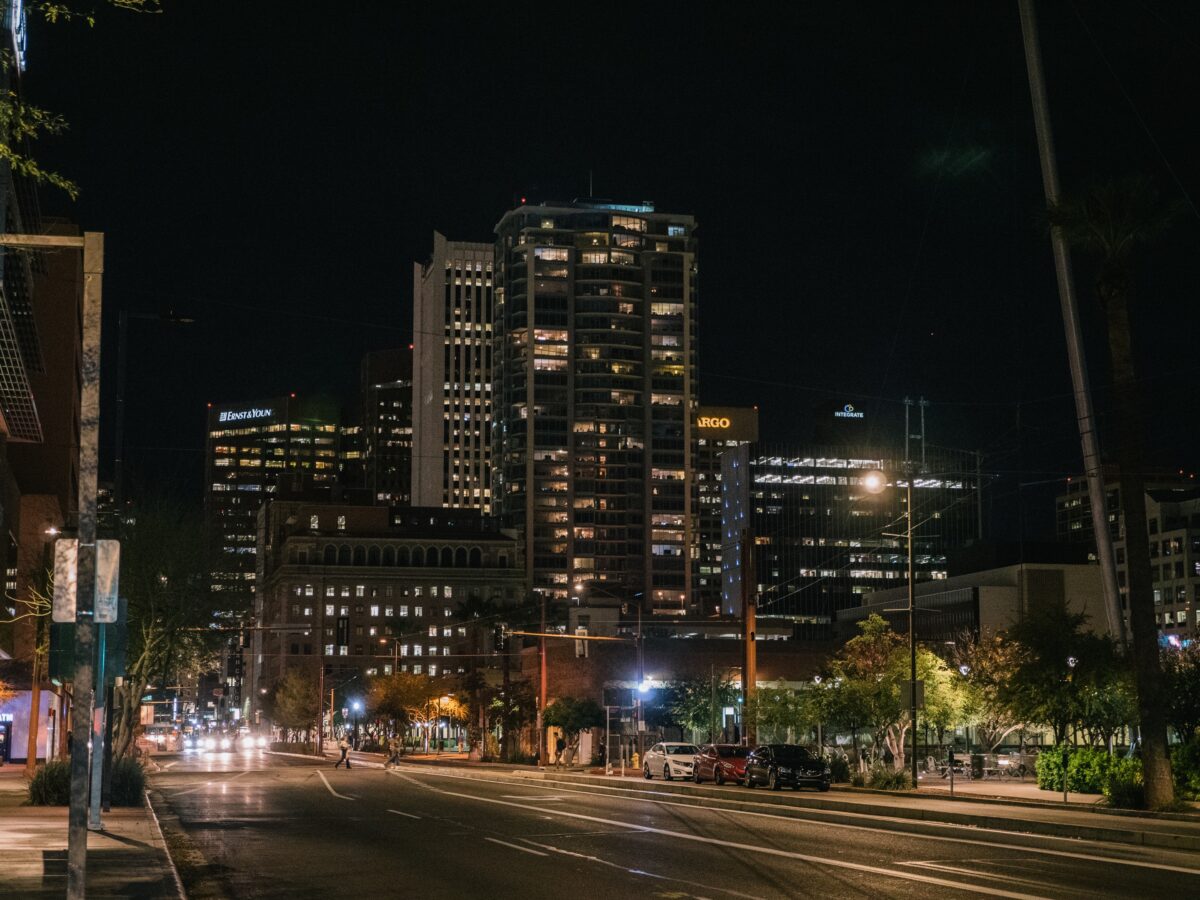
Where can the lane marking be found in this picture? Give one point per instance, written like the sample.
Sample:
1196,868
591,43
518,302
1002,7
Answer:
605,862
399,813
528,797
819,820
331,790
972,873
168,765
516,847
750,848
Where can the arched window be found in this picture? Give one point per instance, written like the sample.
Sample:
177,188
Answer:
360,556
418,557
389,556
431,556
460,558
343,555
403,557
373,556
447,557
330,555
476,558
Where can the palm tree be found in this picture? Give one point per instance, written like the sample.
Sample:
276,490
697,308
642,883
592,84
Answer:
1111,221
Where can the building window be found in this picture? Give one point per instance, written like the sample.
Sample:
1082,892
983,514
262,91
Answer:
360,590
433,631
308,611
447,592
344,611
314,522
389,611
329,609
344,650
416,649
329,649
375,611
404,612
341,523
330,591
419,611
447,612
404,649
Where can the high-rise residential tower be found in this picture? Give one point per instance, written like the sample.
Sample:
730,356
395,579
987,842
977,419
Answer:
386,387
452,376
595,386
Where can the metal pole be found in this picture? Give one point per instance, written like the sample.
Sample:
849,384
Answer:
98,717
85,591
542,684
912,632
119,429
641,677
1084,413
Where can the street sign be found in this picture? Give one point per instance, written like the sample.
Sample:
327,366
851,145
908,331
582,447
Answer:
66,577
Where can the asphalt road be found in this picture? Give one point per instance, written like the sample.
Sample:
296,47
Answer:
255,825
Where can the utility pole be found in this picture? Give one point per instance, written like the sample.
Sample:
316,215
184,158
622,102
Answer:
912,631
749,650
1084,413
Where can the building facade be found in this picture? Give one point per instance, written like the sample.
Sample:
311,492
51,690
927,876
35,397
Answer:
386,389
717,428
452,376
365,590
251,449
817,540
595,386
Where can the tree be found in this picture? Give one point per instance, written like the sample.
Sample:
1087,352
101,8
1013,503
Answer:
294,702
512,708
35,604
865,694
692,705
173,621
780,714
1111,221
573,716
986,665
1181,683
479,616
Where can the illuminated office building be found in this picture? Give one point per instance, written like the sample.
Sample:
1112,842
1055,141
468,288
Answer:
452,377
251,449
595,386
819,540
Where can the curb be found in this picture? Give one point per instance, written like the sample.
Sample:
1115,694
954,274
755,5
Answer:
929,821
165,849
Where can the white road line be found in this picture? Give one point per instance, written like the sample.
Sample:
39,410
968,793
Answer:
399,813
517,847
205,784
168,765
528,797
331,790
750,848
818,820
707,887
973,873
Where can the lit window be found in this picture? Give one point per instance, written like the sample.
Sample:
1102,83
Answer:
341,523
329,609
314,522
404,612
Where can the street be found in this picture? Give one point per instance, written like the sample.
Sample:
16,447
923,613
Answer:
261,825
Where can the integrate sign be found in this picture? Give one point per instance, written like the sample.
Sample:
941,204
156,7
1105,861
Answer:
240,415
727,423
848,412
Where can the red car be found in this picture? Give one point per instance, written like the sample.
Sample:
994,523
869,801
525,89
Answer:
720,763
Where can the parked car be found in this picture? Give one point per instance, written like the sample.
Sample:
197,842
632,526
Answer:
670,759
720,763
776,765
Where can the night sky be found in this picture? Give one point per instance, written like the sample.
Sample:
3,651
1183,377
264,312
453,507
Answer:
865,177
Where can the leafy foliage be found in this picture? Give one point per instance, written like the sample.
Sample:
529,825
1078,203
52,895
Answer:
1088,769
1181,685
1185,764
128,782
986,665
574,715
295,704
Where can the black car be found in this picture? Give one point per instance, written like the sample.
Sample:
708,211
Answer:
776,765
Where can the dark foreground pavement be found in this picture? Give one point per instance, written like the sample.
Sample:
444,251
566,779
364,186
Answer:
266,826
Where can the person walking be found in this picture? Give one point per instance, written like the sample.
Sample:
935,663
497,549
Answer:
344,746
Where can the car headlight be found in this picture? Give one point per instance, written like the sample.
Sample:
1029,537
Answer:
226,743
209,743
784,770
261,741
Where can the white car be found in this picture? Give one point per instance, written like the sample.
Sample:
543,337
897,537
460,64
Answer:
670,759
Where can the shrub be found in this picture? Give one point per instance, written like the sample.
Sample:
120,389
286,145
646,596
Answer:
884,779
839,768
128,784
1087,769
1185,764
51,785
1123,784
858,779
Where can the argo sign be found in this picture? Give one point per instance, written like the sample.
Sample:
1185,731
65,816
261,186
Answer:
727,423
713,422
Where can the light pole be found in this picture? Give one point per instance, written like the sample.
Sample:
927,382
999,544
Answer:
874,483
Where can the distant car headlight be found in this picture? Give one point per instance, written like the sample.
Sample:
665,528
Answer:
226,743
208,743
260,741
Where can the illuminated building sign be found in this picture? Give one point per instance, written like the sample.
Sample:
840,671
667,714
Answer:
848,412
727,423
240,415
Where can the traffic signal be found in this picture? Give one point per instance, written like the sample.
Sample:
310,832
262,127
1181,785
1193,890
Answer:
500,638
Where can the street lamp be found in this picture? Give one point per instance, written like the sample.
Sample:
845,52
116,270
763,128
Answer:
874,482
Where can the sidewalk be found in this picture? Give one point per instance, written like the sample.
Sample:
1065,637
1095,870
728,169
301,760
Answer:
127,859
